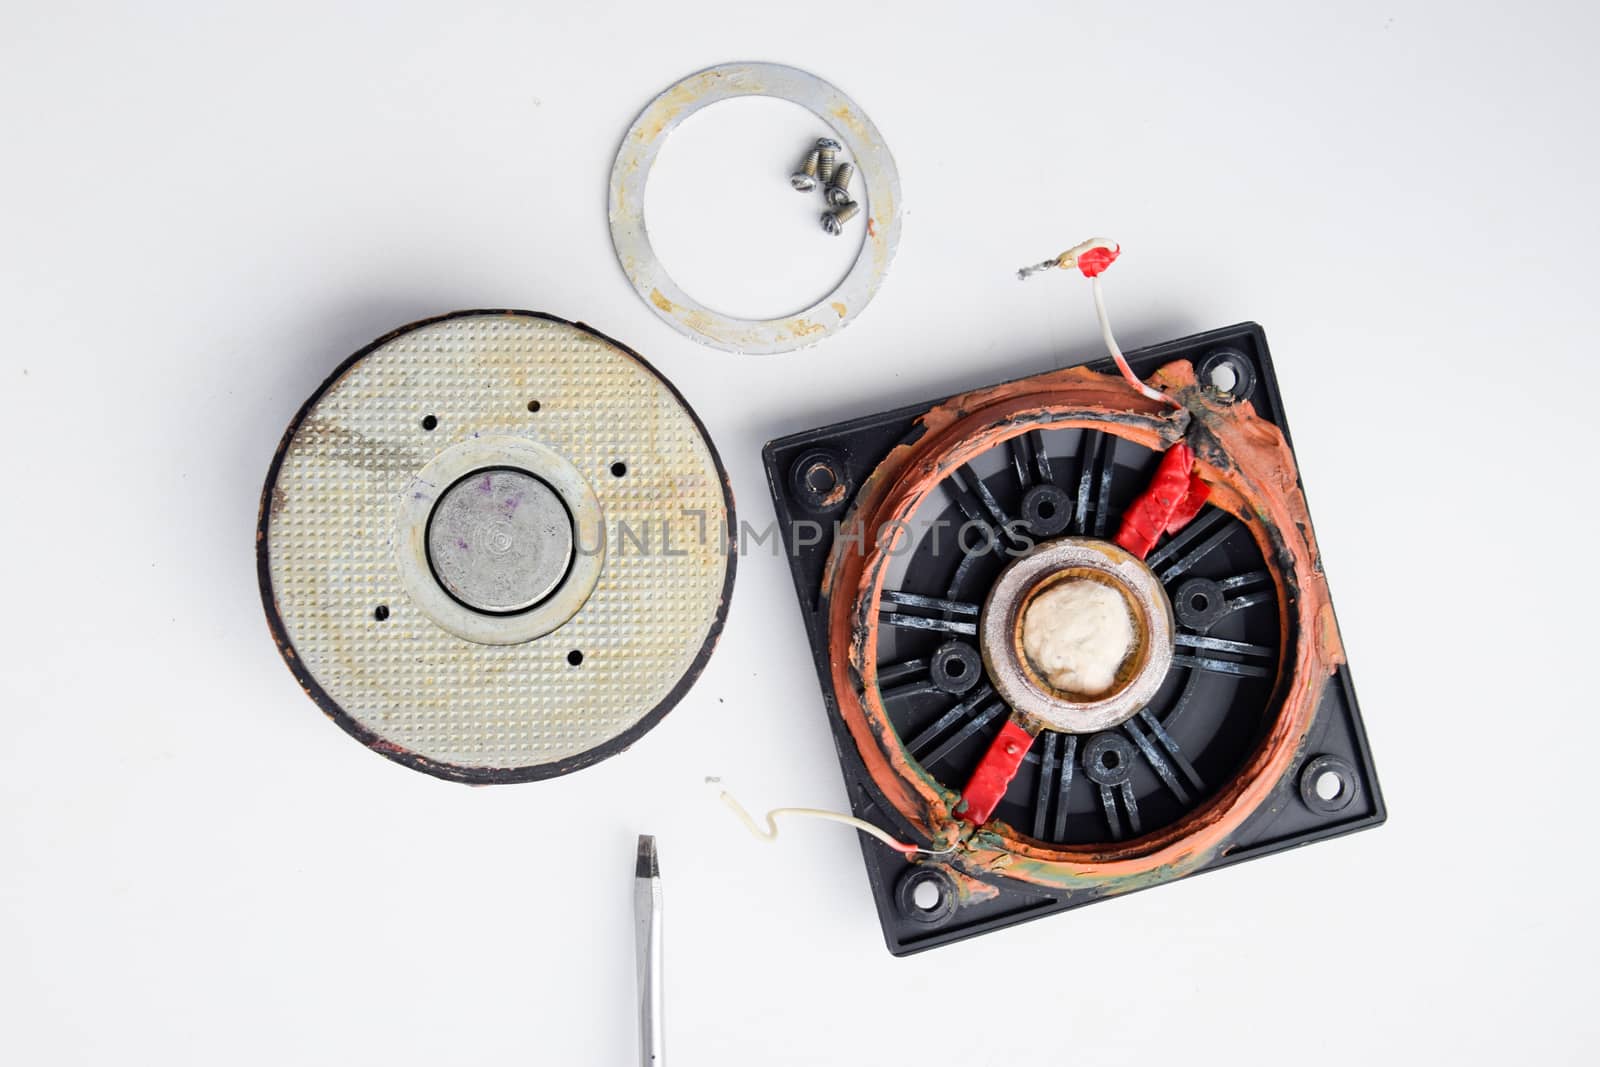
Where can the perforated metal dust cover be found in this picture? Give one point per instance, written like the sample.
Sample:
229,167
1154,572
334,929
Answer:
392,503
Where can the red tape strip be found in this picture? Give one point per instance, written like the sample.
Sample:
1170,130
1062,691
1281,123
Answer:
1094,261
995,771
1173,497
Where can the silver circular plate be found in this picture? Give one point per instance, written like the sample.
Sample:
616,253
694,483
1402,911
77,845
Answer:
500,540
478,592
863,145
1071,558
493,546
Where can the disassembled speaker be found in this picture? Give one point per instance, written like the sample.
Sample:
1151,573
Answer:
919,540
493,546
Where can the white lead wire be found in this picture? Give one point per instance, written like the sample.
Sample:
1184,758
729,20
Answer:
771,832
1116,352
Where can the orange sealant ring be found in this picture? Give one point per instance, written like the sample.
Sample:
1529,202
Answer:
1251,473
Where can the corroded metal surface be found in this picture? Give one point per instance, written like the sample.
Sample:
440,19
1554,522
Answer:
498,383
1251,473
860,138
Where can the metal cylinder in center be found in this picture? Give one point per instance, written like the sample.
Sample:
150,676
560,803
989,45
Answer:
500,540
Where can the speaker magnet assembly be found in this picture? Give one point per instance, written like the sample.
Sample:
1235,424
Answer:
493,546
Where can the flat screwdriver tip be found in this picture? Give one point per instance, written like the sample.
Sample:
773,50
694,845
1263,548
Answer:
648,866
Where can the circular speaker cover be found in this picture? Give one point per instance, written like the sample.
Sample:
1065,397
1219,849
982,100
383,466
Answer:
494,546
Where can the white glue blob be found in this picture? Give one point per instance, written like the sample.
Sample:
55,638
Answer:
1077,634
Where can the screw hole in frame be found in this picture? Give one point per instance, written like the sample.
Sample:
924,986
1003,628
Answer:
1328,784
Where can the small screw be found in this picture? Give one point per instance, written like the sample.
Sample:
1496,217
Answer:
833,221
826,148
838,191
805,179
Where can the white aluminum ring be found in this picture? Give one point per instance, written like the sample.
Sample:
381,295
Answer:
863,144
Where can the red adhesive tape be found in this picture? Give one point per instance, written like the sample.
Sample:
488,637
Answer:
1173,497
1094,261
995,771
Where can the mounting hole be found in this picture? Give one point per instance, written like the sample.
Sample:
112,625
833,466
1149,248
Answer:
429,422
926,894
380,612
618,469
1198,603
1047,510
955,667
1228,374
533,405
1108,759
575,657
819,480
1328,784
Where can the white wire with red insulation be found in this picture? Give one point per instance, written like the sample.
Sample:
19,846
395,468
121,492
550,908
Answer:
1092,257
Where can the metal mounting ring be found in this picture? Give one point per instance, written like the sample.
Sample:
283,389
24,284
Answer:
416,507
850,125
1090,559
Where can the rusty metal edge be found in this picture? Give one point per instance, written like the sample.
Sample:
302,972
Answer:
438,768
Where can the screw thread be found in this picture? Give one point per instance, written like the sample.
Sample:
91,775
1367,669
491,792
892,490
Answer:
826,152
838,191
833,221
805,178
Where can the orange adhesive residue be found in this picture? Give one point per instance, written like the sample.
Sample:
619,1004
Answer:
1247,467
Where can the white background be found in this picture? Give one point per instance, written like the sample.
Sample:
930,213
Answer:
204,209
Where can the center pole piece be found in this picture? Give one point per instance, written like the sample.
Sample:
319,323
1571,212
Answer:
500,540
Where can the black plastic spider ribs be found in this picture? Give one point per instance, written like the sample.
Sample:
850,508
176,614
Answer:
945,705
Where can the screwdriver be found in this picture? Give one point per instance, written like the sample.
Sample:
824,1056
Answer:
647,931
